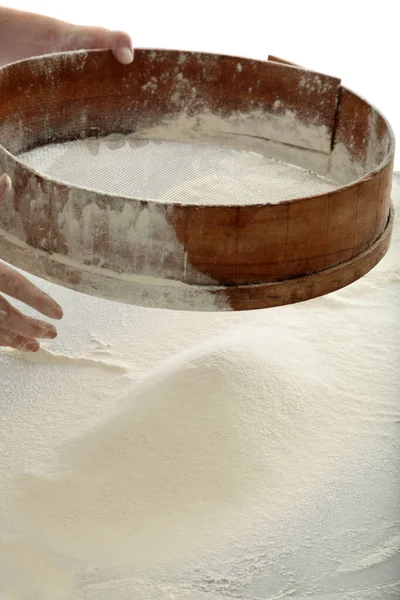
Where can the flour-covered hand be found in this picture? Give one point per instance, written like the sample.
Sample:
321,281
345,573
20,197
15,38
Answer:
17,330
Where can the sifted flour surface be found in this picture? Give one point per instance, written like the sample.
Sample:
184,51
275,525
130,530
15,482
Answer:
151,455
171,171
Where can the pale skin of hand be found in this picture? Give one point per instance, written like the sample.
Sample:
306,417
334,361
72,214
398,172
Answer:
23,35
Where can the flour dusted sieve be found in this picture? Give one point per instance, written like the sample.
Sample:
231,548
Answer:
191,181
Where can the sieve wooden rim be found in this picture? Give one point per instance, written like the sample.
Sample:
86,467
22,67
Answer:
246,256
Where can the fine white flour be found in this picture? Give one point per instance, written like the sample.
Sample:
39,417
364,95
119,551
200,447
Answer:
170,171
154,455
191,454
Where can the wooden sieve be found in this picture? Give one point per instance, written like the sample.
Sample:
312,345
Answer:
185,255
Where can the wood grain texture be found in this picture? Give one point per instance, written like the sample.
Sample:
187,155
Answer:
270,295
256,255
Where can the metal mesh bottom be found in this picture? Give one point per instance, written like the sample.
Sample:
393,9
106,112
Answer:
172,171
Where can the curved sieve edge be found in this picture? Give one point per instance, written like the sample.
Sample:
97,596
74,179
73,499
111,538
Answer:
167,294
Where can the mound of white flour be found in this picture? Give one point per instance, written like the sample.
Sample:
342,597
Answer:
160,455
190,456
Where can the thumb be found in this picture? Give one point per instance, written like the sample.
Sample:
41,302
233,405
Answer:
5,187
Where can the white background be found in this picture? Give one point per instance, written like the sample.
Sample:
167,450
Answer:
351,39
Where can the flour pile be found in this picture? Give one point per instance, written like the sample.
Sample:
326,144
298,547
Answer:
191,455
154,455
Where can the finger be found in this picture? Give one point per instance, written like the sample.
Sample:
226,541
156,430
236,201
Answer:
14,321
18,342
87,38
5,186
17,286
121,46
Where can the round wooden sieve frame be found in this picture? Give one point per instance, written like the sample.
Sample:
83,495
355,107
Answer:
235,257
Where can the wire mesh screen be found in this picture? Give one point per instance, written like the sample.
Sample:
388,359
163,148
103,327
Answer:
173,171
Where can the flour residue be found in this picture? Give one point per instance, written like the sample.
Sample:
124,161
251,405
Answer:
175,172
387,551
